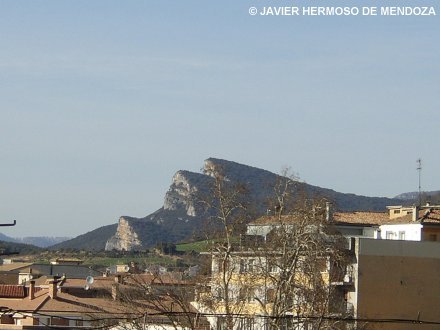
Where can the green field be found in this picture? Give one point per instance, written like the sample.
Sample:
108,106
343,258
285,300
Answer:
201,246
141,260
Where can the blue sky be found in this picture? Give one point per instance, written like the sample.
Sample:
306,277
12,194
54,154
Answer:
101,102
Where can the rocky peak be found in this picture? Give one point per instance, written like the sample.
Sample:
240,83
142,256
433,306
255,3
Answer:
180,195
125,238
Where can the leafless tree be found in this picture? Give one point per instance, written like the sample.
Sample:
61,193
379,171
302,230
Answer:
159,300
283,277
227,213
294,261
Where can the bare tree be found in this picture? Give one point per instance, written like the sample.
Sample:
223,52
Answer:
227,210
282,275
159,300
294,261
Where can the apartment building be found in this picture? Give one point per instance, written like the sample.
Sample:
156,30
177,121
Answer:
393,284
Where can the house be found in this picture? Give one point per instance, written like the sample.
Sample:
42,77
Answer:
51,304
399,223
66,261
36,269
412,224
77,303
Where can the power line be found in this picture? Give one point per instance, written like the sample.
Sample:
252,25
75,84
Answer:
132,317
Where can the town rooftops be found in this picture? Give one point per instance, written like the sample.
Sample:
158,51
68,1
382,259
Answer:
429,215
68,305
338,218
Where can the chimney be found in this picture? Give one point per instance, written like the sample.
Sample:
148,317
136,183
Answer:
115,289
31,289
415,213
118,279
53,289
328,215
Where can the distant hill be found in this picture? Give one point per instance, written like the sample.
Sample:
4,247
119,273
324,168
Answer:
5,238
7,248
42,241
409,197
92,240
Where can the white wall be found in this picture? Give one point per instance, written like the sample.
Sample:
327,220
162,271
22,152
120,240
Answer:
412,231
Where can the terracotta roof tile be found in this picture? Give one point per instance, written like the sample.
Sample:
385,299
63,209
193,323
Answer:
12,291
366,218
25,304
431,215
98,282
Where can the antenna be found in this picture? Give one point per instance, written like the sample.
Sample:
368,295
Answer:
419,169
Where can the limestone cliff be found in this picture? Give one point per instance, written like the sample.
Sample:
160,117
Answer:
182,192
125,238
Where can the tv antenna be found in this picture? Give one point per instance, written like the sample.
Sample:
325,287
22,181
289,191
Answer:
89,282
419,169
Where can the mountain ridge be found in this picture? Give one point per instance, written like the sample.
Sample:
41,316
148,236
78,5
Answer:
180,216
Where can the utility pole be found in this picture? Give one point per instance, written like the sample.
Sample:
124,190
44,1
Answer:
419,169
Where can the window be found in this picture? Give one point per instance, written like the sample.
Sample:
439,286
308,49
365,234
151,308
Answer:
396,211
274,269
246,294
270,295
247,265
220,293
389,234
402,235
242,266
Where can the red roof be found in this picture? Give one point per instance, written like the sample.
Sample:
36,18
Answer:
12,291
